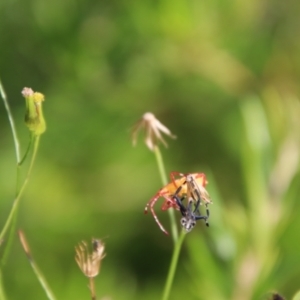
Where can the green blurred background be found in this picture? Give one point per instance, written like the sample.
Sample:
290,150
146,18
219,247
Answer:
222,75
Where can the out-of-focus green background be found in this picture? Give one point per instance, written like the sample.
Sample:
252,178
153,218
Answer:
222,75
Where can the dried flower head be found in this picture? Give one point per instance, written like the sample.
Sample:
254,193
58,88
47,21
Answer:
89,263
153,129
34,118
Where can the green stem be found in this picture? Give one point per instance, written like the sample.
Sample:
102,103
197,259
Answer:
162,172
35,267
14,218
10,239
19,165
173,266
26,153
42,280
20,192
12,123
161,166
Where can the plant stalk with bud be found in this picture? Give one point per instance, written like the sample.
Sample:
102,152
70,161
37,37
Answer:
89,263
35,121
36,124
153,129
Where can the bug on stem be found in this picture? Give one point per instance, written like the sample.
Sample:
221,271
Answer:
190,186
191,213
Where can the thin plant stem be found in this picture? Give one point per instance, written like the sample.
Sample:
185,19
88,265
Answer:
92,288
12,123
173,266
26,153
20,192
161,166
17,151
162,172
10,239
14,218
35,268
177,241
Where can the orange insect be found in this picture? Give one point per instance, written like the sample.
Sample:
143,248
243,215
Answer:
191,186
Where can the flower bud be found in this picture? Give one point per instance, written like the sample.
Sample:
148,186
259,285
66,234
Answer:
34,118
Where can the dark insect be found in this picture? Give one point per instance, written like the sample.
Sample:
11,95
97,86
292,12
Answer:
191,213
194,195
190,185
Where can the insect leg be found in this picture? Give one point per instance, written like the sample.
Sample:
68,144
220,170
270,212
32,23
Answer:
172,177
181,206
207,214
150,205
156,218
197,209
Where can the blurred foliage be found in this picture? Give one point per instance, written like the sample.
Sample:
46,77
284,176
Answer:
222,75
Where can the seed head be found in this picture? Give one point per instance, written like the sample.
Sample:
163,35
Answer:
153,129
89,263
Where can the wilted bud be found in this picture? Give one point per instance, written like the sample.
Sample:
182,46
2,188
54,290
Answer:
153,128
89,263
34,118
